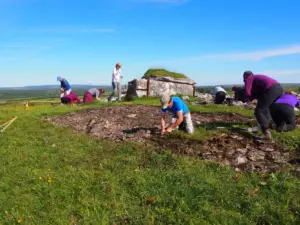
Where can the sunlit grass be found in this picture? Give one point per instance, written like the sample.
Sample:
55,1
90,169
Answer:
49,175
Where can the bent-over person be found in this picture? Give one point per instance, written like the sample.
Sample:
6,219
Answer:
181,116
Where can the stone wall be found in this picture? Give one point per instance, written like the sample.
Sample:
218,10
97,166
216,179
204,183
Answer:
159,86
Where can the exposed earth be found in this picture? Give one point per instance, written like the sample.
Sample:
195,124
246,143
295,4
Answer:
140,123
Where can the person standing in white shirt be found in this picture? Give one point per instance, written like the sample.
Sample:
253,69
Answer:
116,82
220,95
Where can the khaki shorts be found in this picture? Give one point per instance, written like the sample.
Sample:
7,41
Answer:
65,93
187,123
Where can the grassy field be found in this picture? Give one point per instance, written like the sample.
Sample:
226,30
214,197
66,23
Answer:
51,176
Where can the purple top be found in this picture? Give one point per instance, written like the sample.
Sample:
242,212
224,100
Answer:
255,85
289,100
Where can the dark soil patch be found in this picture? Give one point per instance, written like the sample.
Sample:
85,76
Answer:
141,123
235,150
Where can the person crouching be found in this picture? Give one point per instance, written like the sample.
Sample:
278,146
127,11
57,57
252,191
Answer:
239,94
70,99
181,114
283,113
220,95
91,94
266,90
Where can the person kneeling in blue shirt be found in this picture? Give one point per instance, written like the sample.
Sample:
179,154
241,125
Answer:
181,114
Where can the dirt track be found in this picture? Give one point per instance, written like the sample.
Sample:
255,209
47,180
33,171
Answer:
141,124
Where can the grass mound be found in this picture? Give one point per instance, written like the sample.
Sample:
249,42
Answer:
162,73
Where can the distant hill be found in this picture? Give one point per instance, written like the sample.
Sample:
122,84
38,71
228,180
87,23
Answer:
42,91
44,87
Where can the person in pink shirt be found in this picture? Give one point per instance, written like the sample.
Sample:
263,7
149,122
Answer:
70,99
266,90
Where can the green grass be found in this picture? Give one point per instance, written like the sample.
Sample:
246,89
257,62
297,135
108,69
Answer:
51,176
162,73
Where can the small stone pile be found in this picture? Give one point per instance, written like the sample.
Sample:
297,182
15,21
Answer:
206,98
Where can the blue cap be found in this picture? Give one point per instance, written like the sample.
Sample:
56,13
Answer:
58,78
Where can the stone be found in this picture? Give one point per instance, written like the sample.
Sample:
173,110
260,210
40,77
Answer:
234,136
227,162
230,153
146,135
205,154
240,160
159,86
256,155
236,103
185,98
97,128
106,125
205,99
131,116
276,156
242,151
268,149
237,170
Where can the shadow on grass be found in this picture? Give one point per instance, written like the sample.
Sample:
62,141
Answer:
145,129
225,125
234,127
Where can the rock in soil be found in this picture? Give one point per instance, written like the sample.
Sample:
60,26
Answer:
256,155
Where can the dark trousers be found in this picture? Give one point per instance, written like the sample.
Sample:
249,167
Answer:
264,102
220,97
65,100
283,116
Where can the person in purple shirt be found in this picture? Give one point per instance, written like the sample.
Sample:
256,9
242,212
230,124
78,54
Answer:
283,113
266,90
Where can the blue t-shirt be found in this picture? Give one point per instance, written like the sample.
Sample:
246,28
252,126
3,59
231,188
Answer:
178,106
65,84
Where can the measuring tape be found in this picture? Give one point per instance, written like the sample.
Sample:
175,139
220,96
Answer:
6,125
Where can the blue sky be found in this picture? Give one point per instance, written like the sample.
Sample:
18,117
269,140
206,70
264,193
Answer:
213,42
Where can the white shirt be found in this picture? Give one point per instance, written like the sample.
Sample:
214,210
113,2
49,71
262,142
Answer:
218,89
116,76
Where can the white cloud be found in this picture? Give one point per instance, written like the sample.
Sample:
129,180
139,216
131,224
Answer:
238,56
282,73
257,55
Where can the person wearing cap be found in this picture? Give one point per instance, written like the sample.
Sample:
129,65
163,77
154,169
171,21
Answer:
70,99
266,90
92,93
220,95
65,87
181,115
283,113
116,82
